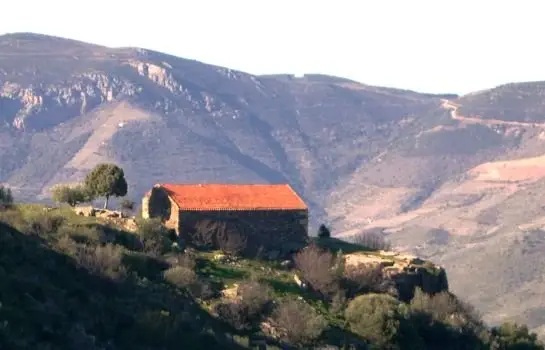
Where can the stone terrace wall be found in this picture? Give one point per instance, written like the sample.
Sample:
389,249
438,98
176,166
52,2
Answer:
271,230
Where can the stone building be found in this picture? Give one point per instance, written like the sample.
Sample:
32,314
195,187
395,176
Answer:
270,218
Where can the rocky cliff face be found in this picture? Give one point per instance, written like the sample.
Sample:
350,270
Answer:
462,189
407,271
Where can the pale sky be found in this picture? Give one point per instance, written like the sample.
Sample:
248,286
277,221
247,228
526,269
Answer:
424,45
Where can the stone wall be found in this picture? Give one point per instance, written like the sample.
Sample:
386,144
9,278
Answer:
268,230
157,204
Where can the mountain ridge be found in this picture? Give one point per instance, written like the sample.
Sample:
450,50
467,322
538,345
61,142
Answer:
364,158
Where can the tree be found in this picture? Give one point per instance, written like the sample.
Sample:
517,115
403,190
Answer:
106,180
514,336
323,231
71,195
320,269
300,323
6,198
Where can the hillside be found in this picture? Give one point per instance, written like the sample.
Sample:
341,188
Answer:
456,181
74,282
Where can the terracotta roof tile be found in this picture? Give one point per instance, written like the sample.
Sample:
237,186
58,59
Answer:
234,197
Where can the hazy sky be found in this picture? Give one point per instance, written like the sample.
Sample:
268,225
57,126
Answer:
430,46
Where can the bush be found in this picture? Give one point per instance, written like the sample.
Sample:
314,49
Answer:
446,308
70,195
181,276
323,231
6,197
514,336
371,240
255,296
43,223
319,269
184,260
234,314
14,218
379,318
84,234
443,319
299,322
103,260
153,236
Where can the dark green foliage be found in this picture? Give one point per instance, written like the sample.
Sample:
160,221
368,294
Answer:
154,237
377,318
71,195
323,231
72,282
56,293
512,336
444,322
106,180
6,197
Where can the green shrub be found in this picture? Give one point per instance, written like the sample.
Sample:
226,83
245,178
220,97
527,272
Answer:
71,195
514,336
40,223
299,322
6,197
323,231
180,276
154,236
446,308
14,218
84,234
105,261
379,318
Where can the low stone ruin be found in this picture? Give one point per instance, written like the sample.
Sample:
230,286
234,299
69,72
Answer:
101,213
115,216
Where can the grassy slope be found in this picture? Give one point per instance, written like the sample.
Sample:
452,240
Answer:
49,301
74,282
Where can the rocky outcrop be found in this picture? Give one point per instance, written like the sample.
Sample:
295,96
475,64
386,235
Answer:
407,271
79,95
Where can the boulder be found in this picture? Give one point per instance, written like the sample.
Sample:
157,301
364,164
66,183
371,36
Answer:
286,264
230,293
85,210
299,282
406,271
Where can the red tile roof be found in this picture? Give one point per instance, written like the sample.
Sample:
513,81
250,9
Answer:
234,197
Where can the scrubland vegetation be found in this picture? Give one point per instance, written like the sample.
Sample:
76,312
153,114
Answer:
76,282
